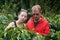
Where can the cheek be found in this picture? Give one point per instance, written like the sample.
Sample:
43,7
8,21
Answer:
38,16
19,17
25,18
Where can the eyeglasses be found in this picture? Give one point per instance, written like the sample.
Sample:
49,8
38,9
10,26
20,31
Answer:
35,14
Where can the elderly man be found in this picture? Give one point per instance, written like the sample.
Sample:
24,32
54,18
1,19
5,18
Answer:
37,23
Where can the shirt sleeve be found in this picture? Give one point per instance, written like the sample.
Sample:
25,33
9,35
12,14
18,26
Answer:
46,30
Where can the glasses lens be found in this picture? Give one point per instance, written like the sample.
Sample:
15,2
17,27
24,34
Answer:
35,14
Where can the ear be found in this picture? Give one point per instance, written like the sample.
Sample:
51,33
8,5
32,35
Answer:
40,11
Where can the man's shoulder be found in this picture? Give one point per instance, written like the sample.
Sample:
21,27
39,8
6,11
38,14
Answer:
44,21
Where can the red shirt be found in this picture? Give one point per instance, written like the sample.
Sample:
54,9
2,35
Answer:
42,26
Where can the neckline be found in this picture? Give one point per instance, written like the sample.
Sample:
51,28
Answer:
16,25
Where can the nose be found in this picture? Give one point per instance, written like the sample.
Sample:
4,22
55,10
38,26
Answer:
35,15
23,17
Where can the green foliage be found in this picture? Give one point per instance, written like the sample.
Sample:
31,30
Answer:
58,35
54,22
14,5
20,33
9,9
4,20
23,34
55,27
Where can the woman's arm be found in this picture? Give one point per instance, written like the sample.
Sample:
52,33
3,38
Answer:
11,25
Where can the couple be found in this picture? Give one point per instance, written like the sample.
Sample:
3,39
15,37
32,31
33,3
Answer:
36,23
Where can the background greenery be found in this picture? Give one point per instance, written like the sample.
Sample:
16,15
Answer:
50,8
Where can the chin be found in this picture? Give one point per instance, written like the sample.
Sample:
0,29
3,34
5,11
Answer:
36,19
22,21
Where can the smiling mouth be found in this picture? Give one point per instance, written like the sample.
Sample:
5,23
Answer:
22,19
35,17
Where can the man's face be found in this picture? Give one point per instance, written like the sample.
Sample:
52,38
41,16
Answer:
35,13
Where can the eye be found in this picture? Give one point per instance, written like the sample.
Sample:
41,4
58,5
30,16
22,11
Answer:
35,14
23,16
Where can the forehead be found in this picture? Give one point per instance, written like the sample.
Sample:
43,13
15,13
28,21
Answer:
23,13
35,10
36,7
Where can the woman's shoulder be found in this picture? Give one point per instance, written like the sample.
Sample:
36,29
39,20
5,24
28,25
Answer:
11,24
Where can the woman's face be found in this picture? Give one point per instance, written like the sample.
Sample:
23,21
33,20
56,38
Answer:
22,17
